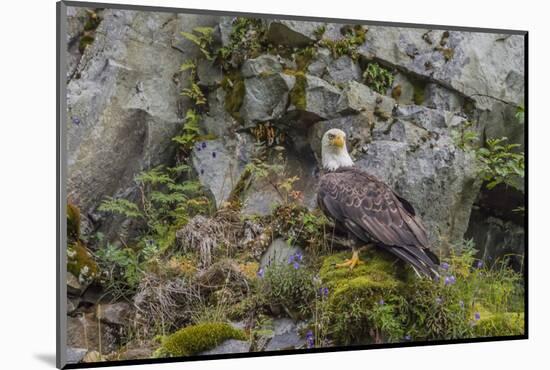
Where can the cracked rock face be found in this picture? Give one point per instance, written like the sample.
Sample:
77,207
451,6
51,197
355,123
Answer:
124,106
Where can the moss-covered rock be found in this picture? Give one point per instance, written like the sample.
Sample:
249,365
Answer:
81,263
73,222
198,338
355,297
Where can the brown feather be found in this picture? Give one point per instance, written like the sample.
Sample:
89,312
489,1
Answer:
372,212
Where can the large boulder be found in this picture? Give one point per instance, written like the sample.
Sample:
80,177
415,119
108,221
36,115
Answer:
292,33
418,158
123,104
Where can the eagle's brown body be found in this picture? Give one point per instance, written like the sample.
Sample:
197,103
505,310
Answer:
371,212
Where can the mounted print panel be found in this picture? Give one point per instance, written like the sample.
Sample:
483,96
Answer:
244,185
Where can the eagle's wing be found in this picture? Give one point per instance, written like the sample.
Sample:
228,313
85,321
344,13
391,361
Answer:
371,210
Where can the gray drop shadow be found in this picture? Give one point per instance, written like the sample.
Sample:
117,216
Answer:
46,358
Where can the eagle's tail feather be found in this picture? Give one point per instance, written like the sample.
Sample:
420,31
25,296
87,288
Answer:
420,261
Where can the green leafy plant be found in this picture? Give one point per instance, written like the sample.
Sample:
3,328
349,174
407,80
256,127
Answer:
202,37
122,268
247,40
194,93
520,114
290,286
354,37
501,163
378,78
165,203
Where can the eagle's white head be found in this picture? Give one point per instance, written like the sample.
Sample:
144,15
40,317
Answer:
334,153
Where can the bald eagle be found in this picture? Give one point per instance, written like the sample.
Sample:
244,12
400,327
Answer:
369,210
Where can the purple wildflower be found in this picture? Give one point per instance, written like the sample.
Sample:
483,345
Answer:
198,148
260,273
477,316
309,339
444,266
203,145
296,265
213,154
298,256
290,259
76,120
323,292
381,302
450,280
202,171
479,264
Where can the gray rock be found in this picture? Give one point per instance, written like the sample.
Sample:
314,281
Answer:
438,179
217,121
115,313
226,27
83,332
439,97
278,253
76,19
285,336
321,98
266,98
75,355
124,108
495,239
263,65
357,97
229,346
210,75
73,285
72,305
292,33
321,60
406,87
342,70
472,63
357,128
219,165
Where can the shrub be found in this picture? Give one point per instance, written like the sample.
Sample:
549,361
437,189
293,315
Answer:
378,78
198,338
289,286
500,163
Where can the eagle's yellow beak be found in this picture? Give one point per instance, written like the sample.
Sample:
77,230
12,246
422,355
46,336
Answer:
338,141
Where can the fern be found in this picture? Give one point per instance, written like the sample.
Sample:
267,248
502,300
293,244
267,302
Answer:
121,206
154,176
194,93
202,37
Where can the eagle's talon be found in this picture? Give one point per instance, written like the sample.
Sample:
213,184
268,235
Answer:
352,262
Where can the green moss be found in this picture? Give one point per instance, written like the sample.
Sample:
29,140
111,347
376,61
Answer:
355,313
234,87
84,42
303,58
198,338
500,324
418,93
298,92
92,22
73,222
81,263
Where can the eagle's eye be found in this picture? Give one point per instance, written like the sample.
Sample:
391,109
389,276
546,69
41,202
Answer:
331,136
